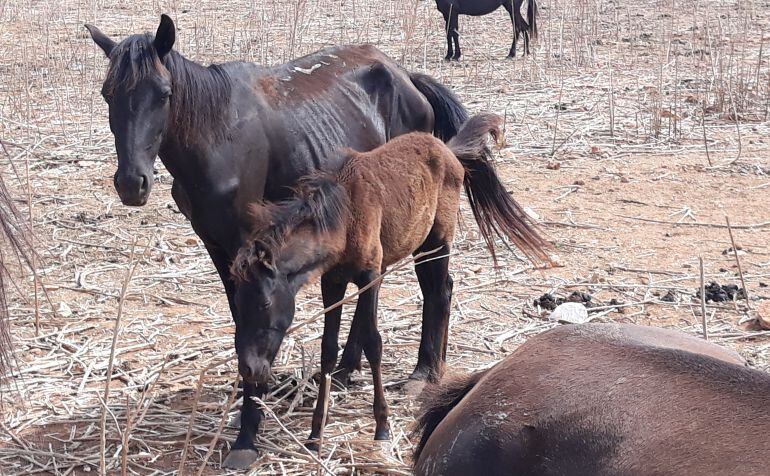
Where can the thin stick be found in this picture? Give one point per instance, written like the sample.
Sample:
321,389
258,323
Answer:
556,123
738,262
703,300
348,299
271,414
705,141
126,433
201,377
221,427
327,392
32,258
129,273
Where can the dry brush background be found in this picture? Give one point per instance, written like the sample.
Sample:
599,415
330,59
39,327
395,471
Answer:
632,130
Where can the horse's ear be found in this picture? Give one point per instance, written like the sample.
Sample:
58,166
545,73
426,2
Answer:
102,41
165,36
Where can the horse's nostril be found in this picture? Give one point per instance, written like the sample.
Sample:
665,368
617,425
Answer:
145,184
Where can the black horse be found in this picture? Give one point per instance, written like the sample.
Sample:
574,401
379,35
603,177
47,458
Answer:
236,133
452,9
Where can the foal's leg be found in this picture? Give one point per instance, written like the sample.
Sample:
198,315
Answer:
351,355
366,313
436,286
333,291
509,7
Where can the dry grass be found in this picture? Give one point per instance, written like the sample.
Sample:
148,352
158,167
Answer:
628,98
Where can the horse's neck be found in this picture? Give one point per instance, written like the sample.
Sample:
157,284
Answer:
198,120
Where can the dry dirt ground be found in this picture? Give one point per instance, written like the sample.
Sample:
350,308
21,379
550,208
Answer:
632,131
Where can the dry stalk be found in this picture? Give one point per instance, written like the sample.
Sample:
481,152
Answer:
196,399
116,331
327,393
221,426
738,262
703,300
347,299
272,414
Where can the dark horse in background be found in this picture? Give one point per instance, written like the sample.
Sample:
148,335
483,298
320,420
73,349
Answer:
236,133
452,9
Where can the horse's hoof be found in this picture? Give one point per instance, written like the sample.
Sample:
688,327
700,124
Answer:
240,459
312,445
382,435
413,387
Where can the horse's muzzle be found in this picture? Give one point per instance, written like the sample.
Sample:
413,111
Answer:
133,189
254,370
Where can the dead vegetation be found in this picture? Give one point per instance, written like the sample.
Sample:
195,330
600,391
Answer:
632,131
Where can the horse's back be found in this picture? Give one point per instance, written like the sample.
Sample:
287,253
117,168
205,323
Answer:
402,183
600,399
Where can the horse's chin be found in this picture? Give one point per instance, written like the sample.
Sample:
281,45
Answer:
134,202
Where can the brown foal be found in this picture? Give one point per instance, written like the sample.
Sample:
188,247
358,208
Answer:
381,206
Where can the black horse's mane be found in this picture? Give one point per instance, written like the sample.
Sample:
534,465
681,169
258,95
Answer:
199,95
319,202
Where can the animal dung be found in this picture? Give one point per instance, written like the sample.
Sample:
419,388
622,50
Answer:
570,313
716,292
548,302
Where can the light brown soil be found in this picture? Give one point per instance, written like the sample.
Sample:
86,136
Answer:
614,93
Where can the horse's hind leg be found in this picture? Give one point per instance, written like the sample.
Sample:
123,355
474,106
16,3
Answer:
449,49
509,7
351,355
436,285
454,29
366,314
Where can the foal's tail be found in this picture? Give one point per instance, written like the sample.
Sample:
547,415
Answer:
449,112
495,211
437,401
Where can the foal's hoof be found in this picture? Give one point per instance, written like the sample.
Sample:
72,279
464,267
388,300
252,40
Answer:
382,434
240,459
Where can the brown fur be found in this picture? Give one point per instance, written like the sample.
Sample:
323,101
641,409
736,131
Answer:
604,399
400,192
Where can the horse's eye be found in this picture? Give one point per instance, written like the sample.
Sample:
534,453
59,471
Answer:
164,95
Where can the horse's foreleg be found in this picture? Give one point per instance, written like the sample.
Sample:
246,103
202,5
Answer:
222,263
332,291
436,286
243,453
509,7
366,314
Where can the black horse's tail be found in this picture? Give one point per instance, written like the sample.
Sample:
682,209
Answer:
521,25
495,211
437,401
532,18
449,112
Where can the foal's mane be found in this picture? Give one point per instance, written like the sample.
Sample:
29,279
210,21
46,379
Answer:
199,95
319,202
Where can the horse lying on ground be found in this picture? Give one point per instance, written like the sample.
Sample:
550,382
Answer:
452,9
380,207
600,399
231,134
